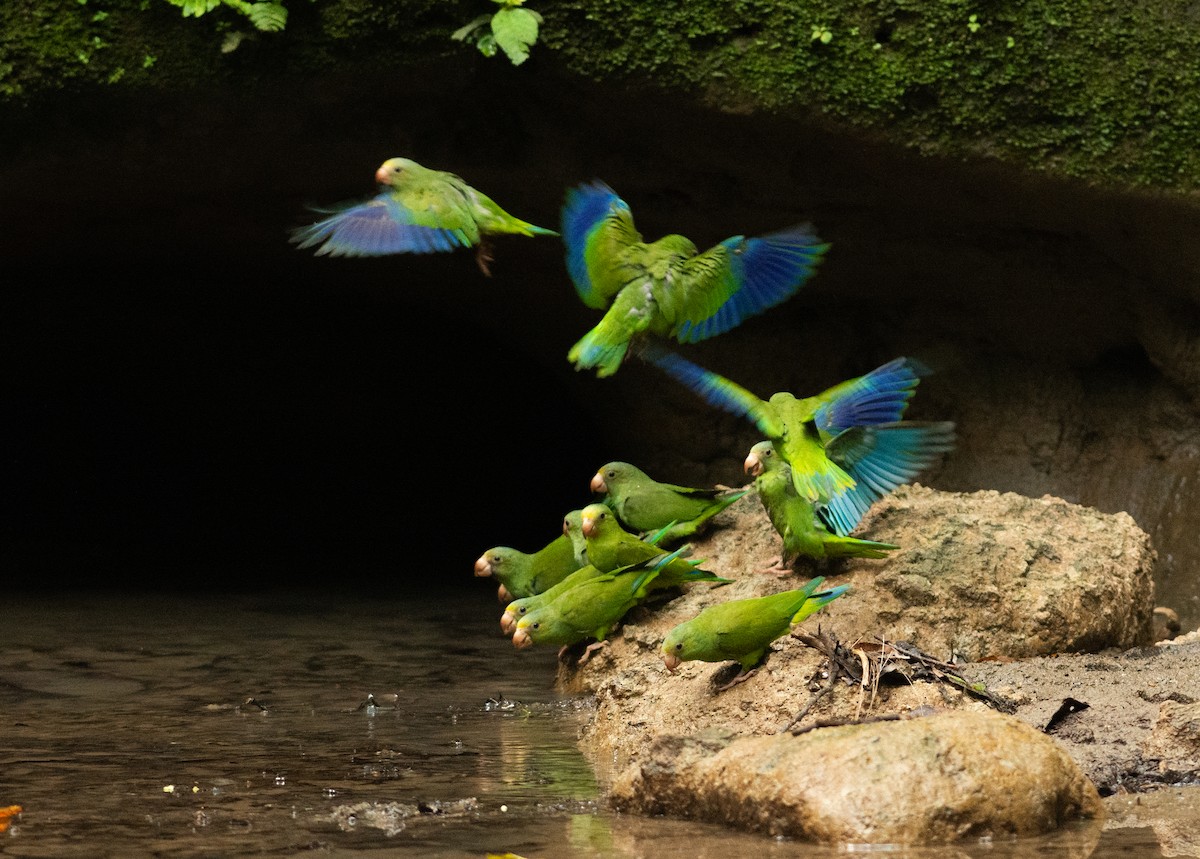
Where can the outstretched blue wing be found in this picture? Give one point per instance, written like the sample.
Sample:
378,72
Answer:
745,277
378,227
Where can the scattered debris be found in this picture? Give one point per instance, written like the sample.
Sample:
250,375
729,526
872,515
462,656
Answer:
867,663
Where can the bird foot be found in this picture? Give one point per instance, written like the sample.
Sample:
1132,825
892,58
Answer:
483,258
740,677
779,568
589,650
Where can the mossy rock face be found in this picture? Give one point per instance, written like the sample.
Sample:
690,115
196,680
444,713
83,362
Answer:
1104,91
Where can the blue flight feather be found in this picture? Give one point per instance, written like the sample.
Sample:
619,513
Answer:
376,228
585,209
764,272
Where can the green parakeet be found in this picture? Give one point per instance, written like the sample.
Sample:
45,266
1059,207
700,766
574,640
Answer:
523,574
518,608
610,546
795,518
667,287
647,505
744,629
847,446
590,609
419,211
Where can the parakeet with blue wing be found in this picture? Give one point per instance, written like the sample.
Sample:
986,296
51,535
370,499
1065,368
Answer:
667,287
795,518
744,629
846,447
419,211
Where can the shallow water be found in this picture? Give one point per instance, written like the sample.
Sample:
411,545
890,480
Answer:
239,725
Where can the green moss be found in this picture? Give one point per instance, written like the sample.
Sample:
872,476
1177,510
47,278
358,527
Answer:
1099,89
1103,90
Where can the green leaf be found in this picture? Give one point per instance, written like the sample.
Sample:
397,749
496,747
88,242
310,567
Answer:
487,45
270,17
461,33
515,30
195,8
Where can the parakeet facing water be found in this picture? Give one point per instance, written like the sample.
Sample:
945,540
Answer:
523,574
420,211
667,287
591,609
744,629
846,447
610,546
795,518
647,505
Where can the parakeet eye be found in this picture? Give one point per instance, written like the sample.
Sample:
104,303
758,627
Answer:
611,473
679,646
536,625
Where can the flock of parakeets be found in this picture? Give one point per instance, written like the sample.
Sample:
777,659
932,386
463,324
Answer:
824,459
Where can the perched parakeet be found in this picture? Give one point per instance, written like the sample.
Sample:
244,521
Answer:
795,518
419,211
518,608
592,608
667,287
744,629
646,505
847,446
523,574
610,546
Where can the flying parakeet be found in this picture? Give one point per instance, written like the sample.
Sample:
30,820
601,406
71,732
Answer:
667,287
610,546
744,629
795,518
419,211
523,574
646,505
591,609
846,447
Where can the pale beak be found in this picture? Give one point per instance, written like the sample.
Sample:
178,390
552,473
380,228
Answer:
753,465
672,662
508,623
521,639
598,484
503,595
383,175
483,567
588,523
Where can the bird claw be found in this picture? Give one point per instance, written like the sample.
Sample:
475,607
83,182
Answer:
778,567
483,257
589,650
740,677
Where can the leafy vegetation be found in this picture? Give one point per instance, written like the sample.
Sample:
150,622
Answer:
264,15
512,29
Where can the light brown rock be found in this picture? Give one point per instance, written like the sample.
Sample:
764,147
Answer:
922,780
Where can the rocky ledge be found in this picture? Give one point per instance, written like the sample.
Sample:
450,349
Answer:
997,675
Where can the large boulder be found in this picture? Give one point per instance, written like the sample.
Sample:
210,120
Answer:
982,575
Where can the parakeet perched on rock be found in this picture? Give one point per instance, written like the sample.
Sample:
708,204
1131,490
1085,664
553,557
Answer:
590,609
744,629
847,446
523,574
667,287
419,211
610,546
795,518
647,505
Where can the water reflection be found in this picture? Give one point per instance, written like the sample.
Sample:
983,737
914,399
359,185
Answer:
253,725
